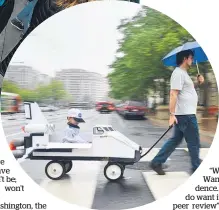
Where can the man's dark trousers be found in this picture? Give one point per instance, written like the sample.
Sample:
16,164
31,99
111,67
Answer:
186,127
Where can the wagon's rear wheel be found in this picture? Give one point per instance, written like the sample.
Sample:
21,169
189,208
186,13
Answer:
68,166
123,168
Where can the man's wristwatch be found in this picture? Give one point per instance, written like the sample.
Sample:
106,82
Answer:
172,114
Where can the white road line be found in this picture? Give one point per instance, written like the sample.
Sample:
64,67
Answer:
154,151
21,160
79,188
203,152
151,154
163,185
14,134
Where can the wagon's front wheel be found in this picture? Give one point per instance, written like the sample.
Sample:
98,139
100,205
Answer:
55,170
113,171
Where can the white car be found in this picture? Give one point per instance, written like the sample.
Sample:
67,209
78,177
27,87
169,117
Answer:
45,108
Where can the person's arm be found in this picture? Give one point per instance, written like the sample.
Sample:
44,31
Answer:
176,82
172,106
200,81
73,137
69,136
79,139
173,100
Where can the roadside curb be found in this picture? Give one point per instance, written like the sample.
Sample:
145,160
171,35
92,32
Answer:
159,123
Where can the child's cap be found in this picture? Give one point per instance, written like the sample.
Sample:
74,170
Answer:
76,114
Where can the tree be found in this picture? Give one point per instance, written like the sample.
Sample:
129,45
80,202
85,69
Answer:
10,87
57,90
28,95
147,38
43,93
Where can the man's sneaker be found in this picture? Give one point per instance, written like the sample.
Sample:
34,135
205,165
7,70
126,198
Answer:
157,168
17,24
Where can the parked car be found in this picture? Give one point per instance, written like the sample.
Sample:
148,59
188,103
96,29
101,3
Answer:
133,109
48,108
105,106
118,108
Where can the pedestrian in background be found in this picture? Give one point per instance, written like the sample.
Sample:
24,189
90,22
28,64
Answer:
183,107
43,10
22,20
6,9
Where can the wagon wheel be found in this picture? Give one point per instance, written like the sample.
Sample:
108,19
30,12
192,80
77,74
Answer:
113,171
55,170
68,166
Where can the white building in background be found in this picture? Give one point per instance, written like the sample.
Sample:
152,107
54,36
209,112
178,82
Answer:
26,77
84,86
44,79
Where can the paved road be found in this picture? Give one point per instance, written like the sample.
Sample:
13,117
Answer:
86,185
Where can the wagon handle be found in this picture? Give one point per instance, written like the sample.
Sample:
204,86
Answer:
157,141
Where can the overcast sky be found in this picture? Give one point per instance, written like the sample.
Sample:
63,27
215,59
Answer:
83,36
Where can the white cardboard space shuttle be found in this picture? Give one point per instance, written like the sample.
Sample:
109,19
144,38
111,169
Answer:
106,141
107,144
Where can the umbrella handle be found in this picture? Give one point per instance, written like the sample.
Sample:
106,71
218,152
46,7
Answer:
198,71
197,68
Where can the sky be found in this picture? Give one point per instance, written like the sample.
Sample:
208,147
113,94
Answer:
82,37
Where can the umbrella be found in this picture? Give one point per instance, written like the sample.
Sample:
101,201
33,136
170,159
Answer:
199,55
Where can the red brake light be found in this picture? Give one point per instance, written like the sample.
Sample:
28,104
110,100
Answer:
12,146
